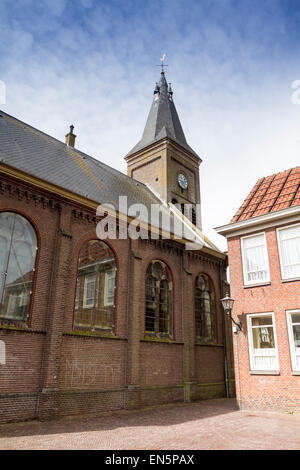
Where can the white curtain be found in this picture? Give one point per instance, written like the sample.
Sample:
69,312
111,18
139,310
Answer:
263,347
265,359
290,251
255,259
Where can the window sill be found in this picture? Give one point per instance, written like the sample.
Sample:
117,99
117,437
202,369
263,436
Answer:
203,343
93,334
295,372
151,339
23,329
292,279
264,372
261,284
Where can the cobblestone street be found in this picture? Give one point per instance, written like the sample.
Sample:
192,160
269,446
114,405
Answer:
212,424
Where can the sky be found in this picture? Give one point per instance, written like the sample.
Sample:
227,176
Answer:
93,64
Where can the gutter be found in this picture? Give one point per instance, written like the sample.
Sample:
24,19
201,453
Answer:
268,219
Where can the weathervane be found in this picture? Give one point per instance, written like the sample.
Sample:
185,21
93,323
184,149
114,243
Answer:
162,65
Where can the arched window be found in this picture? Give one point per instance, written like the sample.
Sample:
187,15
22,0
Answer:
204,308
158,299
18,246
95,287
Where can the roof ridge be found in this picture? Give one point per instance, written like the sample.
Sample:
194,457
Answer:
282,171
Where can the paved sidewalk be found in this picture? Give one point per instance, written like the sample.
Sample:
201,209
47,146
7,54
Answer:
212,424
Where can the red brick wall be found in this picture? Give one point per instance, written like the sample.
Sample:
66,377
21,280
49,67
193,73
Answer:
209,361
20,378
265,392
92,363
162,364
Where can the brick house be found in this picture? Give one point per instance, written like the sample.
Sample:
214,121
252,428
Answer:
91,324
264,262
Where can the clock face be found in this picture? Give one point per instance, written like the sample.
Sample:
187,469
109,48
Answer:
182,181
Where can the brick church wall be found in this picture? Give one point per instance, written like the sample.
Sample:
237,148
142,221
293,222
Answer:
54,371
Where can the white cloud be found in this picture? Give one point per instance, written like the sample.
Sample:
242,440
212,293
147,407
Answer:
97,71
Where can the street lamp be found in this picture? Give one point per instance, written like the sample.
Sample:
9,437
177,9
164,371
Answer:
227,304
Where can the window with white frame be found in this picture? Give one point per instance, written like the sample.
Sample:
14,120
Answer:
255,259
89,291
109,288
262,342
293,321
289,251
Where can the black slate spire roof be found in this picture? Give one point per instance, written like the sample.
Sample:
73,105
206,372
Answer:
163,120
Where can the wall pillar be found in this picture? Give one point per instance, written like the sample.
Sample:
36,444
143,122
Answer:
135,312
55,316
188,330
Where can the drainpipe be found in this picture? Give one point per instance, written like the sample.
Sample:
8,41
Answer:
238,369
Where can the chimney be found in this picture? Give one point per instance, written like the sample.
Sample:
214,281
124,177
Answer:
70,138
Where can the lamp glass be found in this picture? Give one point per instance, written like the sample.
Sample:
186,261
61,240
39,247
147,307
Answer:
227,303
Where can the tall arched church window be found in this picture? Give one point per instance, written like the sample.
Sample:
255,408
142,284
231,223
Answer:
18,247
95,287
204,308
158,299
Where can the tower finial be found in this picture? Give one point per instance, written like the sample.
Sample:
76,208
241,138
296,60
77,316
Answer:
162,65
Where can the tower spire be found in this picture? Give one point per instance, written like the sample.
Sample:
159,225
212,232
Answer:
163,120
162,159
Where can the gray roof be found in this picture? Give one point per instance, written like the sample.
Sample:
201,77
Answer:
36,153
163,120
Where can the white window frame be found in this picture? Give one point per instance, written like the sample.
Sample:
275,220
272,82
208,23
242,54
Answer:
108,276
250,343
252,283
86,303
289,313
278,230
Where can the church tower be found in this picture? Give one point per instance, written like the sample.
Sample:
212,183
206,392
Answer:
163,159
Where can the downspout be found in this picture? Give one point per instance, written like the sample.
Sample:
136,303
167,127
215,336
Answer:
238,367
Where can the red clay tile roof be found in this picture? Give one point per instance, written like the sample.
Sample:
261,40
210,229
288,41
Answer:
270,194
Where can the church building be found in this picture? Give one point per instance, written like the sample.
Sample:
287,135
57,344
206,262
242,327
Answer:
91,324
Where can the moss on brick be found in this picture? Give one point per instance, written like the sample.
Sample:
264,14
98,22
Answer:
93,334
